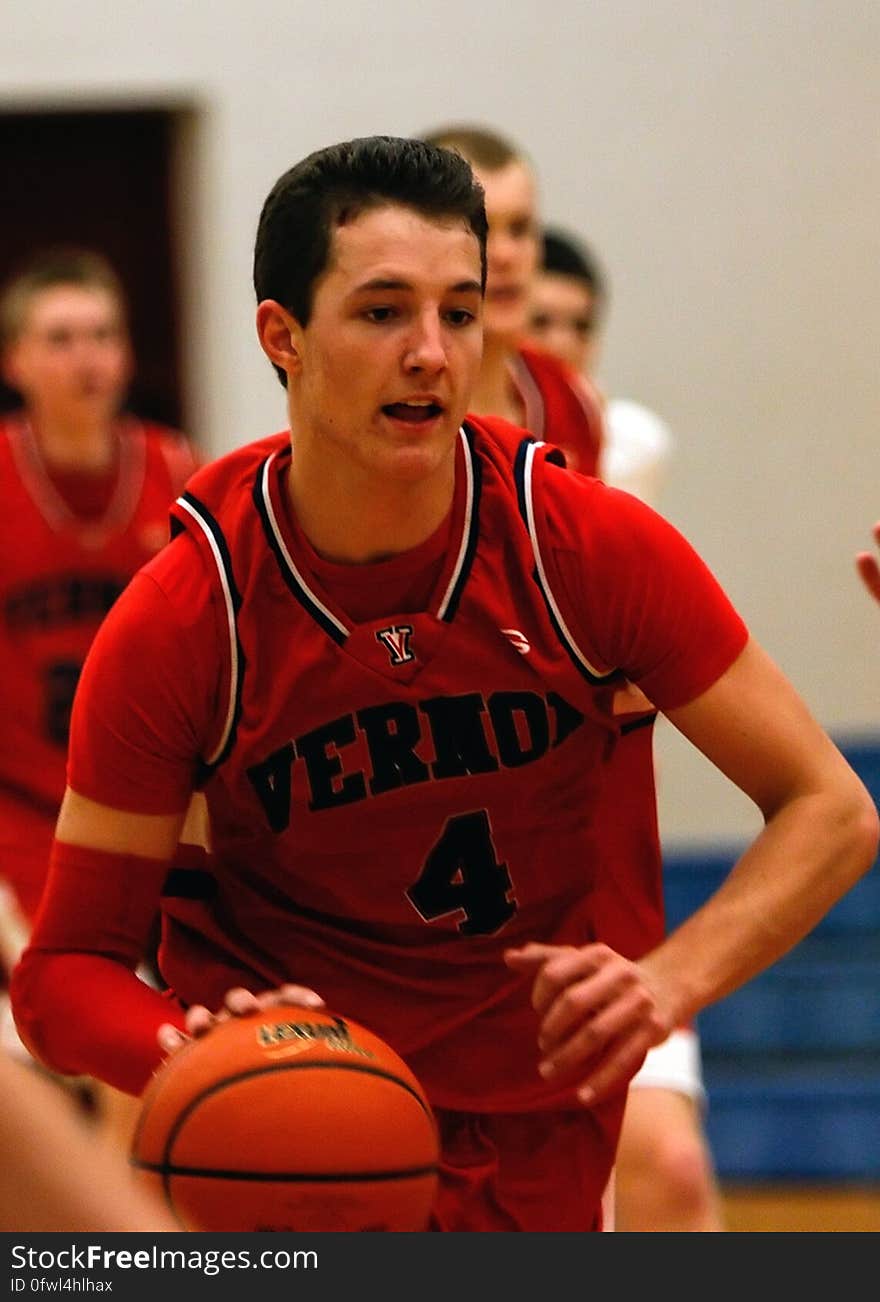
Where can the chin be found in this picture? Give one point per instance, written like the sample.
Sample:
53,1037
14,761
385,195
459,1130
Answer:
418,461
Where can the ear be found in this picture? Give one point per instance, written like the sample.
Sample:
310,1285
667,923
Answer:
280,336
128,365
9,368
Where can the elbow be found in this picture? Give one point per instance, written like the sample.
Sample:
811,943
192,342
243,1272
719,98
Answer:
30,1000
868,831
860,822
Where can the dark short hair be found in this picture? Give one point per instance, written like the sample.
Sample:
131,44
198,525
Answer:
47,269
334,185
483,148
568,256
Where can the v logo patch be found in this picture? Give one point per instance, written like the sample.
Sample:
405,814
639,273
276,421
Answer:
396,641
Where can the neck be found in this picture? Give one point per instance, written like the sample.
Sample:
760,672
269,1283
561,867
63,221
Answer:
74,444
495,394
356,518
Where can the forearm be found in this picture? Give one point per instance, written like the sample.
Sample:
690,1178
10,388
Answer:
807,856
82,1014
77,1002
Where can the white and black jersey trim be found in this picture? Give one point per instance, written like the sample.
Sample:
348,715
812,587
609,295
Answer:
232,601
294,579
523,475
470,529
298,584
532,398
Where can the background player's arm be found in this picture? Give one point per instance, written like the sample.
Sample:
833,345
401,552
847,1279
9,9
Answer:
55,1174
868,567
600,1013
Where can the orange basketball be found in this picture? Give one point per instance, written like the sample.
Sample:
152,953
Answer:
289,1119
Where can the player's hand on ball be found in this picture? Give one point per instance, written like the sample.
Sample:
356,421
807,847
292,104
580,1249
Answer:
599,1016
237,1002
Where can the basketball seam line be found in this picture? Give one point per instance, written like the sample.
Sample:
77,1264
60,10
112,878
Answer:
286,1177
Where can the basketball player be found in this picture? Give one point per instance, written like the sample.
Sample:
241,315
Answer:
664,1175
384,644
86,491
568,309
525,384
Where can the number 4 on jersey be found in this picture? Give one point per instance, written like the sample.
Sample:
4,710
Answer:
462,872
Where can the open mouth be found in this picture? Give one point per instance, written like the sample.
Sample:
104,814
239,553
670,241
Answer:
413,413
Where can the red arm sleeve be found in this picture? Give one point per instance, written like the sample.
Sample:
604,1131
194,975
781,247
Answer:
642,599
78,1005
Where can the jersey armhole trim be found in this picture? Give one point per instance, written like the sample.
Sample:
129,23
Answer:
524,475
213,535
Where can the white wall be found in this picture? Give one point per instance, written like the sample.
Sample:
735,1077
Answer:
724,155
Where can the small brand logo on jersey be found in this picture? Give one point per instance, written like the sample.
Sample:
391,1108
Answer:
396,642
519,640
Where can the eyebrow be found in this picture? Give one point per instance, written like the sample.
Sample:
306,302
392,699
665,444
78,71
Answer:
382,283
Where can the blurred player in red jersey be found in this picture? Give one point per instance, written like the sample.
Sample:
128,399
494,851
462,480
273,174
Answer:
86,492
664,1175
525,384
384,644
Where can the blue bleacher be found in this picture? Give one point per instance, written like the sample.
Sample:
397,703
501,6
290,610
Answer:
792,1060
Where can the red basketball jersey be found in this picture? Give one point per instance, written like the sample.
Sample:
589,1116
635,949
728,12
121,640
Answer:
560,406
395,802
59,575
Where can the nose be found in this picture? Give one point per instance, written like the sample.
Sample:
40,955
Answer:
426,347
500,250
86,350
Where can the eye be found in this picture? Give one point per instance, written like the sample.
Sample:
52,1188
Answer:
540,321
521,228
583,326
459,316
380,315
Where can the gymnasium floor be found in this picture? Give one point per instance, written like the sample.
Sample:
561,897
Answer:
766,1208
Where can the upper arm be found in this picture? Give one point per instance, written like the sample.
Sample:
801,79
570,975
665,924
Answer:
97,826
756,729
636,595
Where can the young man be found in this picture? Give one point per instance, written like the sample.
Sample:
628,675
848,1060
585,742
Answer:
86,493
664,1174
525,384
384,644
